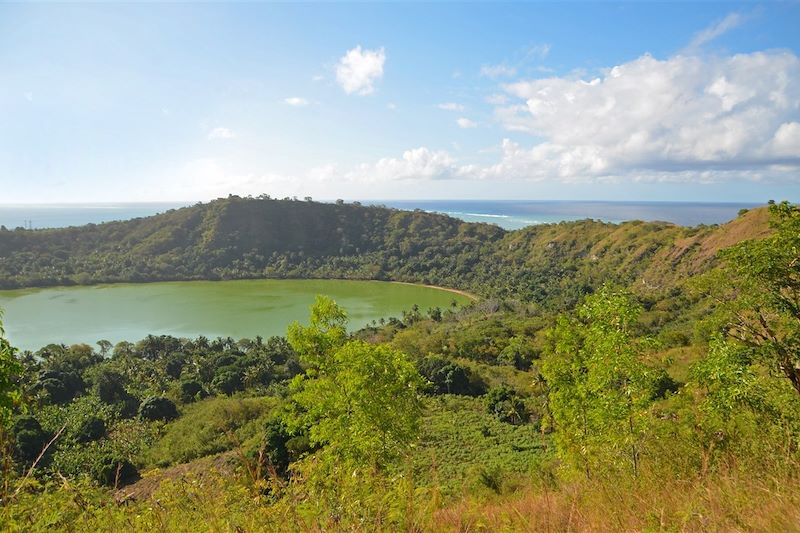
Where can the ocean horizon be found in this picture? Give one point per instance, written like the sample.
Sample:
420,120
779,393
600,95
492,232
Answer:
508,214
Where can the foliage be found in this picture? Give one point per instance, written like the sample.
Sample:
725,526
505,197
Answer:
359,400
701,435
506,404
9,367
29,438
158,408
211,426
449,377
759,289
234,238
600,388
460,441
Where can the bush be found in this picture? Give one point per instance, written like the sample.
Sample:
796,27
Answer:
504,403
60,387
448,377
92,428
191,390
227,380
29,438
158,408
114,471
210,426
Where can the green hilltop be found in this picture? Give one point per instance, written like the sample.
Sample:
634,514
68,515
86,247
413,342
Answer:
235,238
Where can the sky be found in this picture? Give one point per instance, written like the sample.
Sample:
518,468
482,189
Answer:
566,101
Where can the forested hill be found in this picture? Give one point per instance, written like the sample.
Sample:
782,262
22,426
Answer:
244,238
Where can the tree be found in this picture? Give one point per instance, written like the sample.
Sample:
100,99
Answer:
504,403
105,347
110,386
158,408
191,390
448,377
599,386
326,332
758,289
360,401
9,367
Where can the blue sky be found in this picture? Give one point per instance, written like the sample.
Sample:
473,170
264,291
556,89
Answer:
632,101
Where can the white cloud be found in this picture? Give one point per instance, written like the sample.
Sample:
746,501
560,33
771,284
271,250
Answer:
787,139
707,35
28,96
221,133
391,106
498,71
417,163
296,101
451,106
358,70
317,78
466,123
682,119
660,118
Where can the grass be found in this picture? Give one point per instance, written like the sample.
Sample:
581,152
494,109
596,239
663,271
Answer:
462,447
723,503
211,426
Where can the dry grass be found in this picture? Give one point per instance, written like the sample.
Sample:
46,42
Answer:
718,504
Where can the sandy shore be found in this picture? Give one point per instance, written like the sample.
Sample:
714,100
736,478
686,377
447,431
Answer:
455,291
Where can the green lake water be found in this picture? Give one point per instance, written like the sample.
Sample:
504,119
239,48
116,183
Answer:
243,308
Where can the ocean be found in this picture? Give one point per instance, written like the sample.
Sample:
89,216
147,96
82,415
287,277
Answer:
508,214
516,214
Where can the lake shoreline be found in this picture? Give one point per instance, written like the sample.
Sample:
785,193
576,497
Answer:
469,295
460,292
187,309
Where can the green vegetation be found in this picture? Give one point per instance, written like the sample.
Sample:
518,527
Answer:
358,401
663,399
235,238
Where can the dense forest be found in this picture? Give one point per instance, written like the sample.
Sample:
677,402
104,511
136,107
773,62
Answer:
612,377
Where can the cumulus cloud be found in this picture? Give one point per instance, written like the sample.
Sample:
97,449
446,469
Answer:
358,70
660,117
451,106
417,163
221,133
683,119
296,101
466,123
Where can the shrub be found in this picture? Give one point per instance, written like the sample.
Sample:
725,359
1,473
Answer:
92,428
504,403
158,408
210,426
60,387
227,380
448,377
113,471
29,438
191,390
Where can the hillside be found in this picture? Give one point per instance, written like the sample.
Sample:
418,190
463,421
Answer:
250,238
539,415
